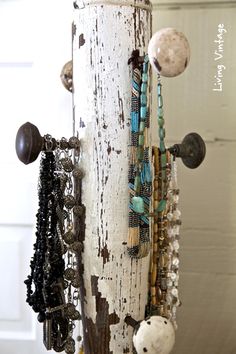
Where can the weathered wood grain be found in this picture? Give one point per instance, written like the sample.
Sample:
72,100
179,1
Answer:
114,285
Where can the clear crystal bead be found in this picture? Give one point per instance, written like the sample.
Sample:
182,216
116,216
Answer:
175,261
169,282
176,245
170,216
171,232
175,292
177,214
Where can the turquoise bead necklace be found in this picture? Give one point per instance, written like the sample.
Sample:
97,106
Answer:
140,179
142,172
162,147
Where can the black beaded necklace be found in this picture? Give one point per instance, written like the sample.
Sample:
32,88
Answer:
45,284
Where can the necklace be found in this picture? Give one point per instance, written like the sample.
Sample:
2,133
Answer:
139,176
52,286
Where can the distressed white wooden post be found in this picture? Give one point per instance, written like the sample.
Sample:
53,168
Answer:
114,285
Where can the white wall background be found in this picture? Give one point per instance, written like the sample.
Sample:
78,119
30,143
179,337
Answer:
207,323
34,45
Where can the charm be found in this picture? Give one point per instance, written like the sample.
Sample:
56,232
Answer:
70,346
69,237
69,274
60,327
47,333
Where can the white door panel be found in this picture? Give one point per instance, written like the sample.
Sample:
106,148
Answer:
35,42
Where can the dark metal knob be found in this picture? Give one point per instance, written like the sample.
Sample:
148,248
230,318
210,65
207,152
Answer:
192,150
29,143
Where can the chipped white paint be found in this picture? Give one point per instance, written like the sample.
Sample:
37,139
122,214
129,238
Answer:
155,335
104,37
138,4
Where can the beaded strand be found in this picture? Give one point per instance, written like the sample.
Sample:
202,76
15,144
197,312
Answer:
139,164
164,261
54,281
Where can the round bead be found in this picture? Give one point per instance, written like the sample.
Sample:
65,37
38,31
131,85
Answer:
78,210
69,237
41,317
175,292
69,274
175,262
161,121
155,335
75,283
70,309
78,173
77,247
74,142
70,346
67,164
177,214
69,201
75,316
169,52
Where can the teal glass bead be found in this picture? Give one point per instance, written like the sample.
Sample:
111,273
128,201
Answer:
161,121
138,205
143,112
160,101
143,99
143,88
146,58
145,67
142,126
162,133
162,146
163,160
141,140
144,77
140,153
159,89
160,112
161,206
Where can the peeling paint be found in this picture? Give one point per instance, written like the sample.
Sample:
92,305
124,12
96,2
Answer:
81,40
121,111
81,123
105,255
104,320
114,285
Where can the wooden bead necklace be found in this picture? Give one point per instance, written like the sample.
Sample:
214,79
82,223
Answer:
164,227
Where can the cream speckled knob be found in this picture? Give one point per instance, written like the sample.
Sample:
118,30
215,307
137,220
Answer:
155,335
169,52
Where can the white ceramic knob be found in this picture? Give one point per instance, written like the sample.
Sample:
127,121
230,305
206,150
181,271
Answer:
155,335
169,52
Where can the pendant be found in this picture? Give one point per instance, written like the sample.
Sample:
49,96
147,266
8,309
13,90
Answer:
47,333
